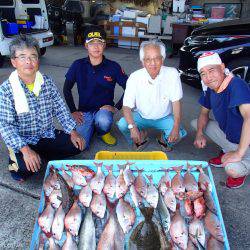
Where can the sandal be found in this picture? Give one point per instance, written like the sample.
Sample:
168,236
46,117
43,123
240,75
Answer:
165,147
141,146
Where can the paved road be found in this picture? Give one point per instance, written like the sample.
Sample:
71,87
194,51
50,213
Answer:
19,202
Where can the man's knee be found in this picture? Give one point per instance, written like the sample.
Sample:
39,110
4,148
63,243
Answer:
122,124
104,120
194,124
235,170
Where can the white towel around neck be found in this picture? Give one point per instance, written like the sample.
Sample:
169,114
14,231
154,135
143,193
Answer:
20,99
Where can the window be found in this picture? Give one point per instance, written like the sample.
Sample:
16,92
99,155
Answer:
6,3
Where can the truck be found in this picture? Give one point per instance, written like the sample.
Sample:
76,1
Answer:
23,17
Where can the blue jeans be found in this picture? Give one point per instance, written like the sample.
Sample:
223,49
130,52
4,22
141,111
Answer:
164,124
100,121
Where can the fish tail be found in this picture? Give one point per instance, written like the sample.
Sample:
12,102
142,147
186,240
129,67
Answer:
109,167
139,170
121,166
147,212
130,163
177,168
199,167
150,178
98,164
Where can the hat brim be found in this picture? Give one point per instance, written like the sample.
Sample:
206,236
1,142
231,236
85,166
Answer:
92,39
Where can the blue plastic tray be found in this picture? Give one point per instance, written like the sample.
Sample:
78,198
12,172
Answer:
149,166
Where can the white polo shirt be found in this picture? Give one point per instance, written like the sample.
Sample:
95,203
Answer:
153,98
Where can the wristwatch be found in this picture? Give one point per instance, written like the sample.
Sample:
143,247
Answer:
130,126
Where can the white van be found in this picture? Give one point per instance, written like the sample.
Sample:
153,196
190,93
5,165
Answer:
23,17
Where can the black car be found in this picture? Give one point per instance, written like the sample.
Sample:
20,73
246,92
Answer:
230,39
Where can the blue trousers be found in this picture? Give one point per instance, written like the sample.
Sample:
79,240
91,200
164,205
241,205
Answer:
100,121
164,124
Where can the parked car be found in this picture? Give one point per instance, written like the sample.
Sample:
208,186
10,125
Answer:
231,39
29,12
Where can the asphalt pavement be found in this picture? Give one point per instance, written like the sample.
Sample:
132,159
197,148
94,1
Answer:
19,202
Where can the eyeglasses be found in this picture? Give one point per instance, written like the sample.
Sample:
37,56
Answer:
155,59
23,58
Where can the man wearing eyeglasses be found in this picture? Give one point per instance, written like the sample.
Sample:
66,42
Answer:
29,101
96,77
152,100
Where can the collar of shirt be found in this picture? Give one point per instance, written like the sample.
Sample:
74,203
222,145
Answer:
104,61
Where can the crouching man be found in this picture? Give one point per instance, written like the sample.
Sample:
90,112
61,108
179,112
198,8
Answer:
152,100
228,97
29,101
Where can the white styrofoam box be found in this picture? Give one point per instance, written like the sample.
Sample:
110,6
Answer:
179,5
128,31
127,44
167,28
154,25
141,33
144,20
130,13
116,18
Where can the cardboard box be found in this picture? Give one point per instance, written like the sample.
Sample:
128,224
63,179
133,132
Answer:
144,20
128,31
130,13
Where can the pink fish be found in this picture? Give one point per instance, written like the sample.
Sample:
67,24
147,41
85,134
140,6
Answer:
128,174
177,183
152,193
82,170
136,198
203,181
55,198
197,232
52,178
121,187
73,219
53,245
190,245
69,243
98,205
212,224
165,182
189,180
97,182
199,207
179,231
189,207
209,201
85,195
213,244
112,236
126,215
170,200
45,220
141,184
110,183
58,224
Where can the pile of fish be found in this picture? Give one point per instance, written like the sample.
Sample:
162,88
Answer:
88,210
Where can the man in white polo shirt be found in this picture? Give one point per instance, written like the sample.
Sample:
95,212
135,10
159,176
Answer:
152,100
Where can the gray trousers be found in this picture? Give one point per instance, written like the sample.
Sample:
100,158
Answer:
235,169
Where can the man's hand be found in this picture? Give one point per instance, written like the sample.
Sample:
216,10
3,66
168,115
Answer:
174,135
232,156
200,141
78,116
135,135
77,140
31,158
109,108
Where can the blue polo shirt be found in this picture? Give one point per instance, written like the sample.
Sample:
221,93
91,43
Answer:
225,106
95,84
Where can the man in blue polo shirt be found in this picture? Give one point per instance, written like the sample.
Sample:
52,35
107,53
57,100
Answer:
228,97
96,77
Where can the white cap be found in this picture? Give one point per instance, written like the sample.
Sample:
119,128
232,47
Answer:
208,58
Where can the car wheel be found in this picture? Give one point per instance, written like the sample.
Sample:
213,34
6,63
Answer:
42,51
1,61
240,68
